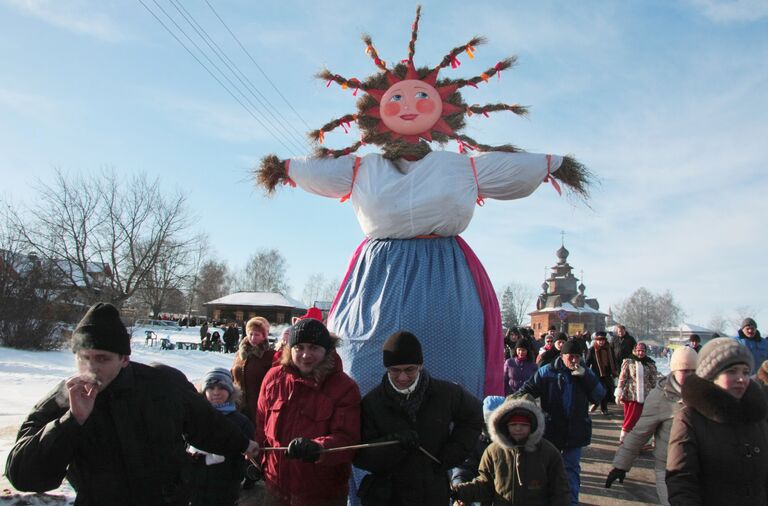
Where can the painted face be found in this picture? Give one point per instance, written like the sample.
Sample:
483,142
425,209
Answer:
411,107
307,356
217,395
256,336
403,376
104,365
734,380
519,431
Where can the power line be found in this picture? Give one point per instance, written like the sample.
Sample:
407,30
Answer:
191,53
258,66
223,74
235,70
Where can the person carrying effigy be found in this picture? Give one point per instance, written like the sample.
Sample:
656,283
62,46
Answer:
412,203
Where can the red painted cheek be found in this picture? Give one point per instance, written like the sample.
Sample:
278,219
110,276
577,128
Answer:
425,106
390,109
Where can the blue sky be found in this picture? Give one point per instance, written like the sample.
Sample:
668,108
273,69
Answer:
665,101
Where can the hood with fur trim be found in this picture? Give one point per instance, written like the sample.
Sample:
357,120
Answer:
716,404
497,424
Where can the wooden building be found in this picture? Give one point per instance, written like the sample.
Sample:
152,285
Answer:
563,304
241,306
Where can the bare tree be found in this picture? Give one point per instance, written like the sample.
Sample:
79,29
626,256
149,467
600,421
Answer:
718,324
318,288
162,286
211,282
265,271
104,235
515,301
646,314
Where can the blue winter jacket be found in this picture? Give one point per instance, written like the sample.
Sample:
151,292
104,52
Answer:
757,346
564,400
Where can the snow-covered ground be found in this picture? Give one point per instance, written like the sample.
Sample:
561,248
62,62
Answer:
27,376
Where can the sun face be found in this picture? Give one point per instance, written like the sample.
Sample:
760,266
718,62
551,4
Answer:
411,107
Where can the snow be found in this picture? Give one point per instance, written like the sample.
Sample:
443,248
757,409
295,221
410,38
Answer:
27,376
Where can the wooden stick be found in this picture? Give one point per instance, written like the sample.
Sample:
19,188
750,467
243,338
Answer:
339,449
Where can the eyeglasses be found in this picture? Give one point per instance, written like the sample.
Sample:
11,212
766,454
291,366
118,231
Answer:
409,371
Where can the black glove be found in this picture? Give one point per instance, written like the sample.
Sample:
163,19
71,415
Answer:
305,449
408,439
615,473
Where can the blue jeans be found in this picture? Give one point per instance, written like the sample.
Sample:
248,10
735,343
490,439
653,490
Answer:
572,461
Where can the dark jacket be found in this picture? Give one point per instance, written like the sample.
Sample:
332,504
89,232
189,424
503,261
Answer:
131,449
324,407
448,421
623,347
718,447
248,370
757,345
516,474
219,484
602,362
517,372
569,427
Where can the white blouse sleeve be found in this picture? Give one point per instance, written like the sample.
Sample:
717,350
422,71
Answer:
508,176
327,177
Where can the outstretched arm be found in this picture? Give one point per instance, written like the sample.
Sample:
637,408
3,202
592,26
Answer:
328,177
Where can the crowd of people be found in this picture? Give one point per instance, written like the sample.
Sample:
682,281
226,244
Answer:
128,433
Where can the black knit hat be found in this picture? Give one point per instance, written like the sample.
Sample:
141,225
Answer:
402,348
570,347
309,330
102,329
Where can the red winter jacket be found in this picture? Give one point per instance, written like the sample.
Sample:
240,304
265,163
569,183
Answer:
324,407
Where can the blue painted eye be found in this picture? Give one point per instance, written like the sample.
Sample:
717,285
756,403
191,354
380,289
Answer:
395,98
421,95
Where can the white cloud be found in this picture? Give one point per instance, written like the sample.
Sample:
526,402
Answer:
73,15
732,10
26,103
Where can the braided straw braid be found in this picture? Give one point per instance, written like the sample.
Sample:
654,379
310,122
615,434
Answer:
502,65
414,34
476,41
518,109
372,52
322,152
317,135
270,173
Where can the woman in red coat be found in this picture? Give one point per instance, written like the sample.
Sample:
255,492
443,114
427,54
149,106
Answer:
309,405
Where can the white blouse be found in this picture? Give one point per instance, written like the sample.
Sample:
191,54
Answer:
434,195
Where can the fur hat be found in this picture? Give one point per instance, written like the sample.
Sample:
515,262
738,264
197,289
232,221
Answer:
309,330
402,348
102,329
748,322
721,353
683,358
221,377
257,321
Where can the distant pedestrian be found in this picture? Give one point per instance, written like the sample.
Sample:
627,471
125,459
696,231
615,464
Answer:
519,368
600,360
694,342
547,356
718,446
637,378
623,344
750,337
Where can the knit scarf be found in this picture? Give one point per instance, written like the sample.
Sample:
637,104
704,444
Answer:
225,408
409,403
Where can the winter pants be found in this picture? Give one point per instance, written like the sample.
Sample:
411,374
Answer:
572,461
607,382
632,412
661,487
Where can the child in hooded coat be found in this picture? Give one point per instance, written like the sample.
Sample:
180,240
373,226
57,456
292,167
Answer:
521,469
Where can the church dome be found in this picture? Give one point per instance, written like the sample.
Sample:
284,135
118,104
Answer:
562,254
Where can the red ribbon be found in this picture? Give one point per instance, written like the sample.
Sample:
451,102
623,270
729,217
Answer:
549,178
470,83
498,70
455,63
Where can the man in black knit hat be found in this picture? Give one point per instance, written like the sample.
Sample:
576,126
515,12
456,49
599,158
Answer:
118,430
436,422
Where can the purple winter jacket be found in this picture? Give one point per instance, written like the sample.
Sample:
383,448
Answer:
517,372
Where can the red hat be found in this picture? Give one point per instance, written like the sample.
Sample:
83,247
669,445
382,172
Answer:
313,313
519,418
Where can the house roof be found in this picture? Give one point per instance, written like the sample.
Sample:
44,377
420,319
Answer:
568,307
262,299
691,328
